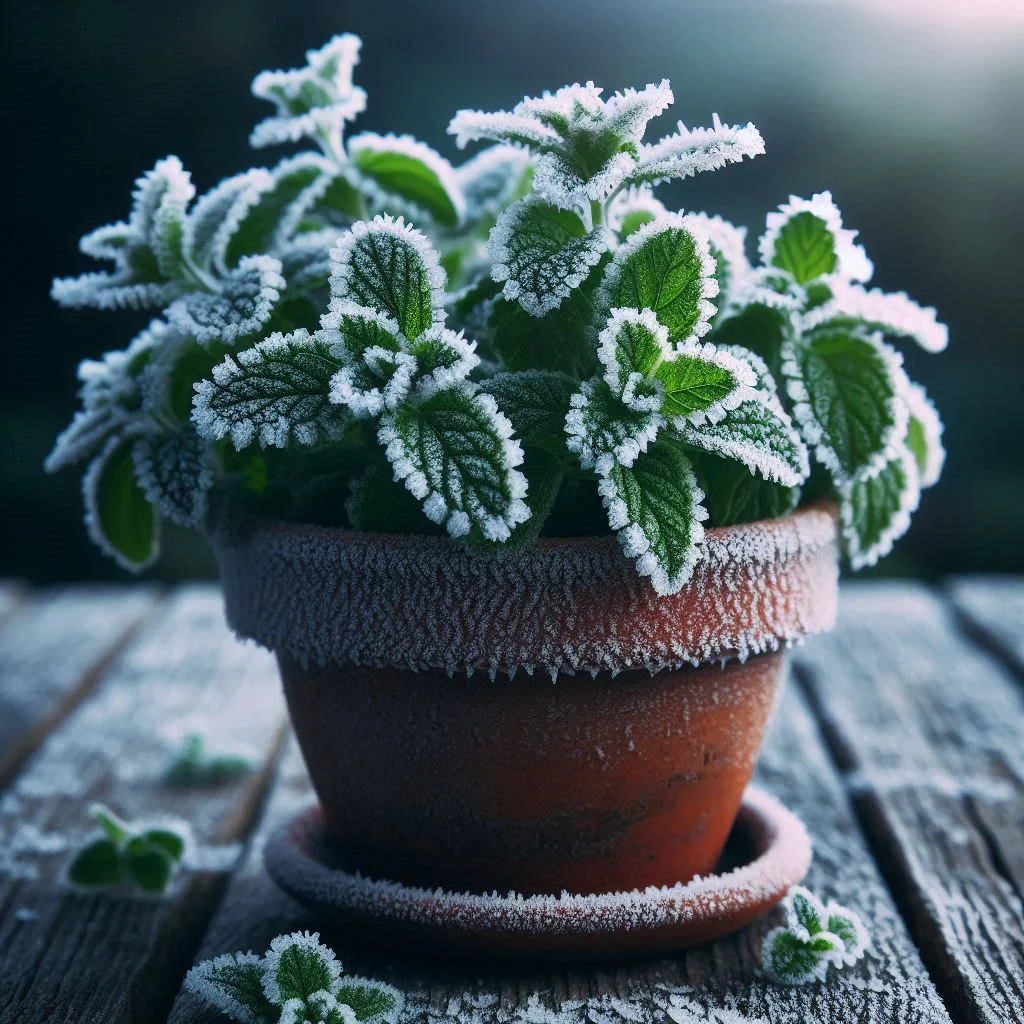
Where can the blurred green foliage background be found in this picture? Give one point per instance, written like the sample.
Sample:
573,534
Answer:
914,120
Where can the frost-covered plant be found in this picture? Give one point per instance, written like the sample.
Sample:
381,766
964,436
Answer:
815,936
143,856
298,981
548,340
195,765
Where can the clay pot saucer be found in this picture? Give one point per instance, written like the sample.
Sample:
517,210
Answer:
767,852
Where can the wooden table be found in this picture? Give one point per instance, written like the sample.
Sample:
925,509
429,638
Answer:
900,742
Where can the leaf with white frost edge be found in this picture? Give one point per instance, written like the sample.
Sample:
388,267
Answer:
875,508
243,305
273,392
728,249
690,151
456,454
399,165
655,506
319,1008
120,521
924,434
788,959
313,101
387,265
603,432
541,253
894,314
214,219
760,435
372,1001
176,473
765,382
536,402
306,260
492,180
297,966
631,209
735,495
850,928
233,984
806,237
379,381
631,348
702,383
845,392
556,181
666,266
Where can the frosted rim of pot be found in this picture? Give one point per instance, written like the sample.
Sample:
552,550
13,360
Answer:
345,597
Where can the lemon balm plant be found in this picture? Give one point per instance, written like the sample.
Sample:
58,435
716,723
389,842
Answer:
548,332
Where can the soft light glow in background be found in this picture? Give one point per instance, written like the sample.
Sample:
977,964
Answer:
910,111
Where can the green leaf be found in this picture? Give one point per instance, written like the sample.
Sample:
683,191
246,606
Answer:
805,247
275,391
601,429
233,983
844,388
701,383
372,1001
806,914
631,348
454,452
176,473
386,265
378,503
758,327
270,221
297,966
541,254
120,520
728,249
849,928
655,505
149,866
735,495
536,403
924,435
98,863
399,165
759,435
875,508
666,267
116,829
631,209
167,840
788,959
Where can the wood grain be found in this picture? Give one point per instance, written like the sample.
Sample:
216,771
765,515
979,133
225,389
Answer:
104,957
53,648
992,608
931,731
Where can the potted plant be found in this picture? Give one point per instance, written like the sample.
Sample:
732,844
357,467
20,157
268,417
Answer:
459,433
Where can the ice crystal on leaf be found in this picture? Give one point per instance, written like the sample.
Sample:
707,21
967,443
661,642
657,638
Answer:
298,981
307,351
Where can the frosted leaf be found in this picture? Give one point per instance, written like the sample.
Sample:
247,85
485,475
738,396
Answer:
313,101
760,436
491,180
765,382
233,984
297,966
215,218
788,959
556,181
272,213
120,521
845,392
399,165
272,393
318,1008
735,494
665,266
631,347
387,265
875,508
629,111
924,434
443,360
771,287
306,260
475,125
702,383
455,453
692,150
806,237
243,303
379,381
805,913
372,1001
850,928
728,249
603,431
147,251
359,328
176,473
536,402
631,209
84,436
896,314
541,253
655,506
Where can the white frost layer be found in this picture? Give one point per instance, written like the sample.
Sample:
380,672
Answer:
563,605
784,855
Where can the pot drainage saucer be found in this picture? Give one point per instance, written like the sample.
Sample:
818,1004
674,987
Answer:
768,851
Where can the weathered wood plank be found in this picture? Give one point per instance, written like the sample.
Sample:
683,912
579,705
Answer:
890,985
932,733
108,957
992,608
53,648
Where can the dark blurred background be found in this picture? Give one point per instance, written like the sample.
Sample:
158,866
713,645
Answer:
914,120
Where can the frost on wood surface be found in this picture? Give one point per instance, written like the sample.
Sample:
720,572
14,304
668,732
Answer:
328,596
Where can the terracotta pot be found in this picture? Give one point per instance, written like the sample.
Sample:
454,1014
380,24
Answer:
538,723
